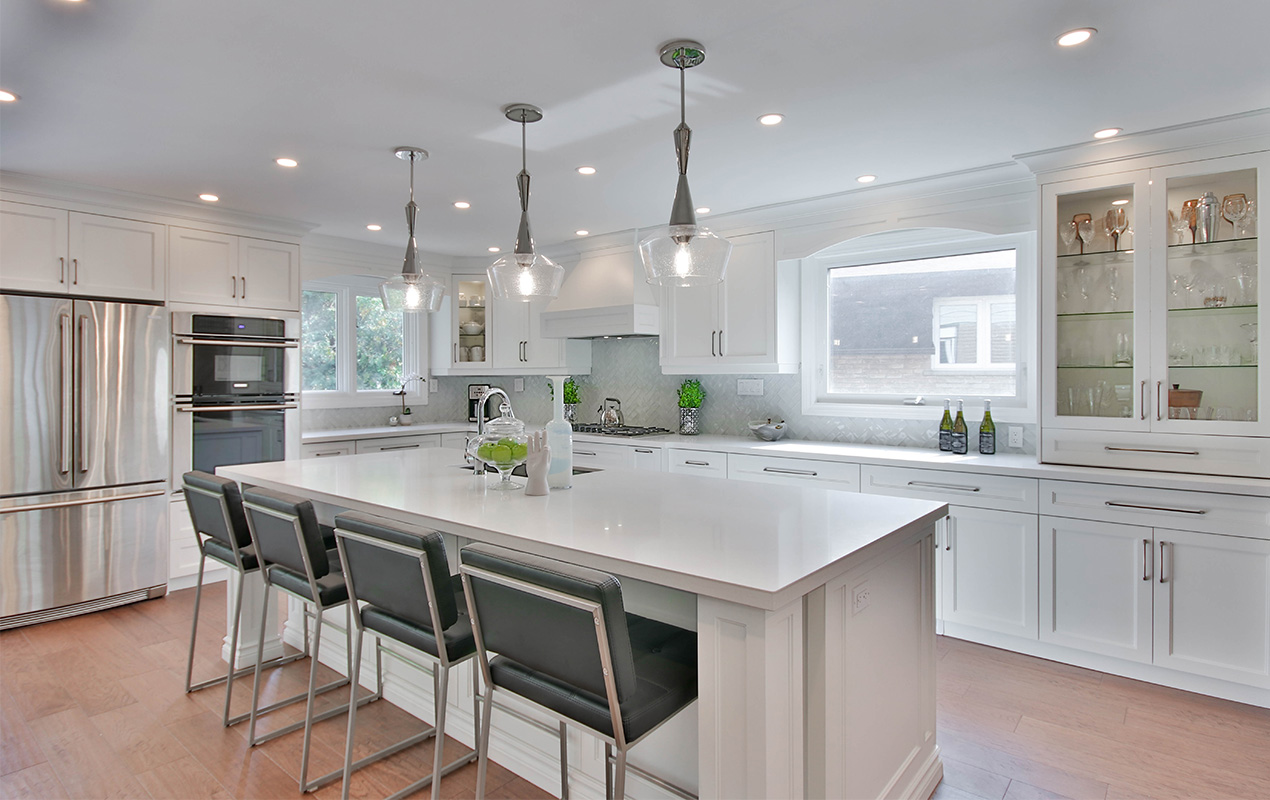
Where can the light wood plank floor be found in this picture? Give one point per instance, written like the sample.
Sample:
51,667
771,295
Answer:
93,707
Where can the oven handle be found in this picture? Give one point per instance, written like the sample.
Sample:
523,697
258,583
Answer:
241,407
237,343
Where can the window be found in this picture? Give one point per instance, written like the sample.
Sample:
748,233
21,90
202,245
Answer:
906,319
353,352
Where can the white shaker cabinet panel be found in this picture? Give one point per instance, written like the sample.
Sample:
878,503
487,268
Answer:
989,571
268,274
648,458
456,440
391,443
1001,492
327,449
33,253
795,472
603,456
113,257
747,305
1212,606
204,267
1096,586
699,462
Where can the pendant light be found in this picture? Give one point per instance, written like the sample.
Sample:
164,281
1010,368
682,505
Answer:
413,290
524,275
684,253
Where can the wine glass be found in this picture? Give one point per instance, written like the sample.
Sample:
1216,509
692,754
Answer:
1250,220
1177,223
1082,285
1115,222
1234,207
1067,232
1188,216
1085,230
1113,287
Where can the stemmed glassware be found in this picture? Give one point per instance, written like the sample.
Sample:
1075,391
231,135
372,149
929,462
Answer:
1234,207
1116,221
1113,287
1067,232
1082,285
1085,230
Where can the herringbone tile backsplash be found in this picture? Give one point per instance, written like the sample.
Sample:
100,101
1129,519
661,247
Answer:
628,370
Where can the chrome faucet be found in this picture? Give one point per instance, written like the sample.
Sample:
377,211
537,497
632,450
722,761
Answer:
480,407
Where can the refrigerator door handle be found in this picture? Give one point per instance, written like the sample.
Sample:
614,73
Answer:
83,392
66,434
84,501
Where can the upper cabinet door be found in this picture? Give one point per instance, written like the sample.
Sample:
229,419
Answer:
747,318
204,267
113,257
690,325
268,274
33,248
539,352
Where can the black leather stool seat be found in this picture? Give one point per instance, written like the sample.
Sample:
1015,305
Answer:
331,587
328,536
214,548
459,640
666,673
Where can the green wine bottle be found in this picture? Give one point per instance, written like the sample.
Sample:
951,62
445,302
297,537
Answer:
987,431
945,429
959,435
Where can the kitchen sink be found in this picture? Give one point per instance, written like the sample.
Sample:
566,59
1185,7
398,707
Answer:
520,472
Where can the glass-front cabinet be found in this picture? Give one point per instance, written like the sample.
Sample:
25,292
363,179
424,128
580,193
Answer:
1151,303
470,334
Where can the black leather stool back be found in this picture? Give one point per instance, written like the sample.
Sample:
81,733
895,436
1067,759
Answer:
276,541
220,517
545,634
393,581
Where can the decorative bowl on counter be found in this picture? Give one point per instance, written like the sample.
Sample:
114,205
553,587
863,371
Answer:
471,329
504,446
767,430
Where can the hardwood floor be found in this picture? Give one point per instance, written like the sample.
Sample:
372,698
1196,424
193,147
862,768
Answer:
93,707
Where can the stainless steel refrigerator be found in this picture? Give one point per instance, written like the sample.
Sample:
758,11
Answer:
83,455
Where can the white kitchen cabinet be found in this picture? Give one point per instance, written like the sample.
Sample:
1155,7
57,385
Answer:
794,472
647,458
598,455
520,349
746,324
327,449
457,440
989,571
222,269
67,252
391,443
462,332
698,462
1149,343
1096,586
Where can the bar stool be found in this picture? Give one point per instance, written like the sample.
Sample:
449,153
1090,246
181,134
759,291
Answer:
400,578
216,511
565,643
295,560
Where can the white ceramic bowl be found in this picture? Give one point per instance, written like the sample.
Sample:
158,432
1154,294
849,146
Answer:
767,430
471,328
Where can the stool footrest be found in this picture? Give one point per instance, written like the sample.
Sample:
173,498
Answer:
295,726
244,671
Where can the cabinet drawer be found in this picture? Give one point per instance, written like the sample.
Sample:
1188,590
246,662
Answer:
699,462
456,440
603,456
647,458
959,488
1202,455
399,443
1207,512
326,449
795,472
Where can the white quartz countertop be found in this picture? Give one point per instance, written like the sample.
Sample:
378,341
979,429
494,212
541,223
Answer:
762,546
1023,466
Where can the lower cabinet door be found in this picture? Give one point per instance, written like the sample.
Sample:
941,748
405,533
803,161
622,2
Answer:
989,571
1096,580
1212,605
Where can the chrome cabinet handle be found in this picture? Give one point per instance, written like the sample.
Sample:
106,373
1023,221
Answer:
642,450
584,453
83,393
1142,398
720,342
713,334
68,394
697,463
456,352
780,471
1150,450
400,447
1194,511
75,264
244,280
61,269
950,486
1146,557
331,453
237,343
948,536
1162,578
1158,414
233,285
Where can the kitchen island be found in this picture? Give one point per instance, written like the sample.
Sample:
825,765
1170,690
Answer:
814,610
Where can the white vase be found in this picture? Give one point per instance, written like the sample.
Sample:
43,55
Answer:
560,440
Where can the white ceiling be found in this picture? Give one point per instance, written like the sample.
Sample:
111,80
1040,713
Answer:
176,97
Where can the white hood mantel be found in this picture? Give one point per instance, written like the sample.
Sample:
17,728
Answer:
605,294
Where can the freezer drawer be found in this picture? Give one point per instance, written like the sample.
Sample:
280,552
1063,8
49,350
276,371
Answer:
63,549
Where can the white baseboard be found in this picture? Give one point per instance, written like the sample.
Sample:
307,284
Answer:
177,583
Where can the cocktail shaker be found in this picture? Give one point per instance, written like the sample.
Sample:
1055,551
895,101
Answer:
1207,215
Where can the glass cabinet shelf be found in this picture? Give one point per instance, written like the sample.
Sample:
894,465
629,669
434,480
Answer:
1125,315
1096,366
1206,311
1188,250
1098,259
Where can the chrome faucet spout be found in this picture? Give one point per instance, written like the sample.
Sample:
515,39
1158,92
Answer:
480,407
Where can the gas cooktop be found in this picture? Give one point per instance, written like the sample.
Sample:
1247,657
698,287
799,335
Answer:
616,430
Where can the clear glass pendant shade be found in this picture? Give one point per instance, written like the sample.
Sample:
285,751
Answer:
525,276
412,293
684,255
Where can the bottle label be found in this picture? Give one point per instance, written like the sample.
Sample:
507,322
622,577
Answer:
959,443
945,440
988,443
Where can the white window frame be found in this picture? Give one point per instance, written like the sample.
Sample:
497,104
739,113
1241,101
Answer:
911,246
414,335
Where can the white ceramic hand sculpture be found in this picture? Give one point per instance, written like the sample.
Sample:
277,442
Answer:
537,463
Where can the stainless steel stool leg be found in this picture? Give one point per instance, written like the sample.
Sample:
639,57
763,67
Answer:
608,771
308,707
439,697
198,599
233,650
482,744
619,782
352,712
255,684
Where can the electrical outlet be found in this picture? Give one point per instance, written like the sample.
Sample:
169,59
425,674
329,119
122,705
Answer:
753,386
860,598
518,385
1015,433
434,385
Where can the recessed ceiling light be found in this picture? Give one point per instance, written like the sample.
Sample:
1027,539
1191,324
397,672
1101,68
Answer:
1120,202
286,162
586,170
374,227
211,198
771,119
703,210
495,249
583,233
7,97
1106,133
1075,37
866,178
462,204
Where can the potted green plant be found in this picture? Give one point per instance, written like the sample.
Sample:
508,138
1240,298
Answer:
691,396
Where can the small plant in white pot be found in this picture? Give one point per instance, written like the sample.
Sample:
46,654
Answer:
405,418
691,396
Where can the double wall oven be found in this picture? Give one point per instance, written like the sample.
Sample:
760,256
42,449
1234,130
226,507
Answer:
235,386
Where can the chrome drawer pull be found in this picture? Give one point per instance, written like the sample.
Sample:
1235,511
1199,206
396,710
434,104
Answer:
329,453
400,447
1116,504
1162,578
953,487
584,453
697,463
642,450
1146,556
779,471
1150,450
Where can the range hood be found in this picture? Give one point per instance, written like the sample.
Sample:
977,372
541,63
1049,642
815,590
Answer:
605,294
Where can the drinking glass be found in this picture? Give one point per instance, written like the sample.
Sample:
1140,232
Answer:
1116,222
1082,285
1113,287
1085,230
1177,224
1250,350
1067,232
1234,207
1246,283
1249,228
